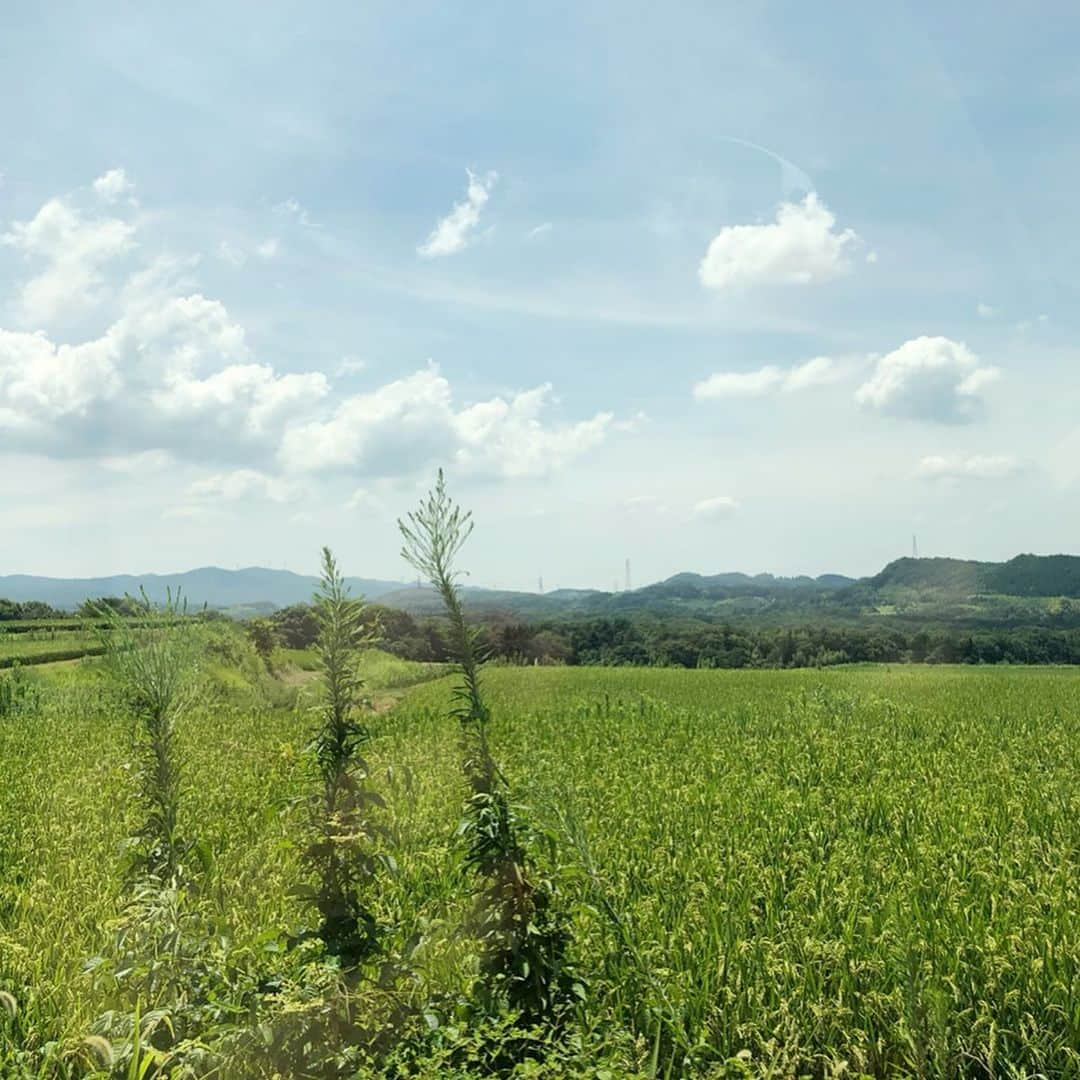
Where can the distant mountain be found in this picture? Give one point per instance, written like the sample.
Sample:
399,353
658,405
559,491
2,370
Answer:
254,586
907,588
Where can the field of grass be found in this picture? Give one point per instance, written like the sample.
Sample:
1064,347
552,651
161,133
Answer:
861,871
37,643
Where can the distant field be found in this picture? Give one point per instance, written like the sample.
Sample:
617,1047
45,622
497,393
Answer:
863,870
38,643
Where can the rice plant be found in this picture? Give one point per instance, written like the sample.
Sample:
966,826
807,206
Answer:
524,936
868,871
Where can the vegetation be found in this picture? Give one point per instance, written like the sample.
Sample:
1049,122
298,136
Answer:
692,873
340,853
524,937
690,642
871,865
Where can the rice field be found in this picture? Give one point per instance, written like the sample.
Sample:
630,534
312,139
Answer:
856,872
39,643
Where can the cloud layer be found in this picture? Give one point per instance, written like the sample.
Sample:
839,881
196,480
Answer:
977,467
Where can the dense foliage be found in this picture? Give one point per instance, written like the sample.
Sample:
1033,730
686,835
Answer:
699,643
12,610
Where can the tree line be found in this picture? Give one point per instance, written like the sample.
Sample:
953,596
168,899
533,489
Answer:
691,643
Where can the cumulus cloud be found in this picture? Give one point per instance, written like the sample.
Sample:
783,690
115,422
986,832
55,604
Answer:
452,233
719,506
171,371
928,378
508,438
412,422
985,311
243,484
801,247
113,185
818,371
144,384
172,378
74,249
977,467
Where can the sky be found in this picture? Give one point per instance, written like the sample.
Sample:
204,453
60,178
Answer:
710,287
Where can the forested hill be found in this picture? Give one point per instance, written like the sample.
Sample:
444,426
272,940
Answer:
1029,589
1025,575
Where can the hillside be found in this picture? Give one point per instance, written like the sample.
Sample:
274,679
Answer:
1024,575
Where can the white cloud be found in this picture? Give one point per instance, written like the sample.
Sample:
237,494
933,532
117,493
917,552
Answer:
979,467
113,185
720,506
801,247
451,234
269,249
985,311
139,463
350,365
173,379
928,378
171,372
243,484
412,422
818,371
365,501
539,230
723,384
507,437
74,249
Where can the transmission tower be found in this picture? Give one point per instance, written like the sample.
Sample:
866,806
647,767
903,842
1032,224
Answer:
627,575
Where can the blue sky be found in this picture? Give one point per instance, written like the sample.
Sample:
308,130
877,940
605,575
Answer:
759,287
